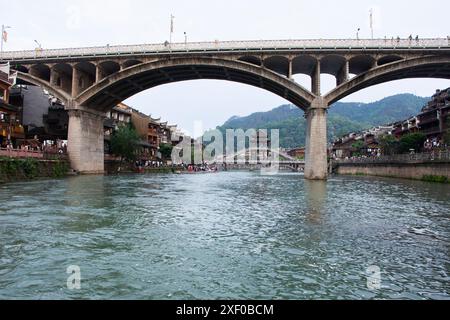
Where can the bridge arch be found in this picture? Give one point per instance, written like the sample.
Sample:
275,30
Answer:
279,64
130,63
303,64
424,67
361,63
332,64
251,59
108,68
388,59
57,92
123,84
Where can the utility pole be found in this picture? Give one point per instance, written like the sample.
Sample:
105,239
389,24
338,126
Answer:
39,46
172,17
357,33
371,21
185,38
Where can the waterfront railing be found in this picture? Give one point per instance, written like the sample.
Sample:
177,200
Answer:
221,46
18,153
433,156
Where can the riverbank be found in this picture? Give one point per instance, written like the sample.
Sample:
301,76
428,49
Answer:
412,167
12,169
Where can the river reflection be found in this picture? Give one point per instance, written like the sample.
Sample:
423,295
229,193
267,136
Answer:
316,193
224,236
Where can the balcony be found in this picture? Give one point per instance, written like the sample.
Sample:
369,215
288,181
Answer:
428,119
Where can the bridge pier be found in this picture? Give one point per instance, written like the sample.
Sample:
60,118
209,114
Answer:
86,140
316,157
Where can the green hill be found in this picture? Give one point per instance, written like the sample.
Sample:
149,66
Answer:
343,118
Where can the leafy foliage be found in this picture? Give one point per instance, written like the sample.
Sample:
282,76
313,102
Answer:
437,179
60,169
389,145
125,142
22,168
413,141
358,146
166,150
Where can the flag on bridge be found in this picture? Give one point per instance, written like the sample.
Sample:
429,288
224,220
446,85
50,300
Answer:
5,36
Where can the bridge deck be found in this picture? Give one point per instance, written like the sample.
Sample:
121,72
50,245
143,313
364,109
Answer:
238,46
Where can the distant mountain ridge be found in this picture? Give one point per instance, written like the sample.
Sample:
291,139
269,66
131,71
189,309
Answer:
344,117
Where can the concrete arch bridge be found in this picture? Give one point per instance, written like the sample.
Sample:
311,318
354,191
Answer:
90,81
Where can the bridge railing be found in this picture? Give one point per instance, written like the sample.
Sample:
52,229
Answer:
437,155
219,46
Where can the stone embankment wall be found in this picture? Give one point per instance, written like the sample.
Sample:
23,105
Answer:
429,171
12,169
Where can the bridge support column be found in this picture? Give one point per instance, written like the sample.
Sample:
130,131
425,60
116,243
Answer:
316,141
290,69
53,77
98,73
75,82
86,140
315,80
343,74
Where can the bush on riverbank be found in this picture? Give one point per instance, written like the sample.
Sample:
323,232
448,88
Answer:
160,170
23,168
60,169
28,169
437,179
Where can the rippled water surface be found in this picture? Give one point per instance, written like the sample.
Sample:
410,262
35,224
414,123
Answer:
224,236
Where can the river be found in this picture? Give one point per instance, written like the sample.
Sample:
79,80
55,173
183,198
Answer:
231,235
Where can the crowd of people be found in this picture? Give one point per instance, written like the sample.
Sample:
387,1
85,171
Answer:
204,167
141,165
32,145
432,144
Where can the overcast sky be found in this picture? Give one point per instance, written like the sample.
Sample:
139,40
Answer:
79,23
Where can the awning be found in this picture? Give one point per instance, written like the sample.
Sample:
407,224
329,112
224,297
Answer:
8,107
30,142
145,144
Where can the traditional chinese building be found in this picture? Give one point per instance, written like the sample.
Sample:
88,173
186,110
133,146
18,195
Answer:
164,133
435,116
402,128
11,128
140,123
298,153
119,116
153,137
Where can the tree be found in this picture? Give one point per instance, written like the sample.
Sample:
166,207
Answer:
388,144
125,142
166,150
358,146
412,141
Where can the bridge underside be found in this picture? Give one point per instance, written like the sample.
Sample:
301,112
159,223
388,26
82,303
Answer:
125,88
434,71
